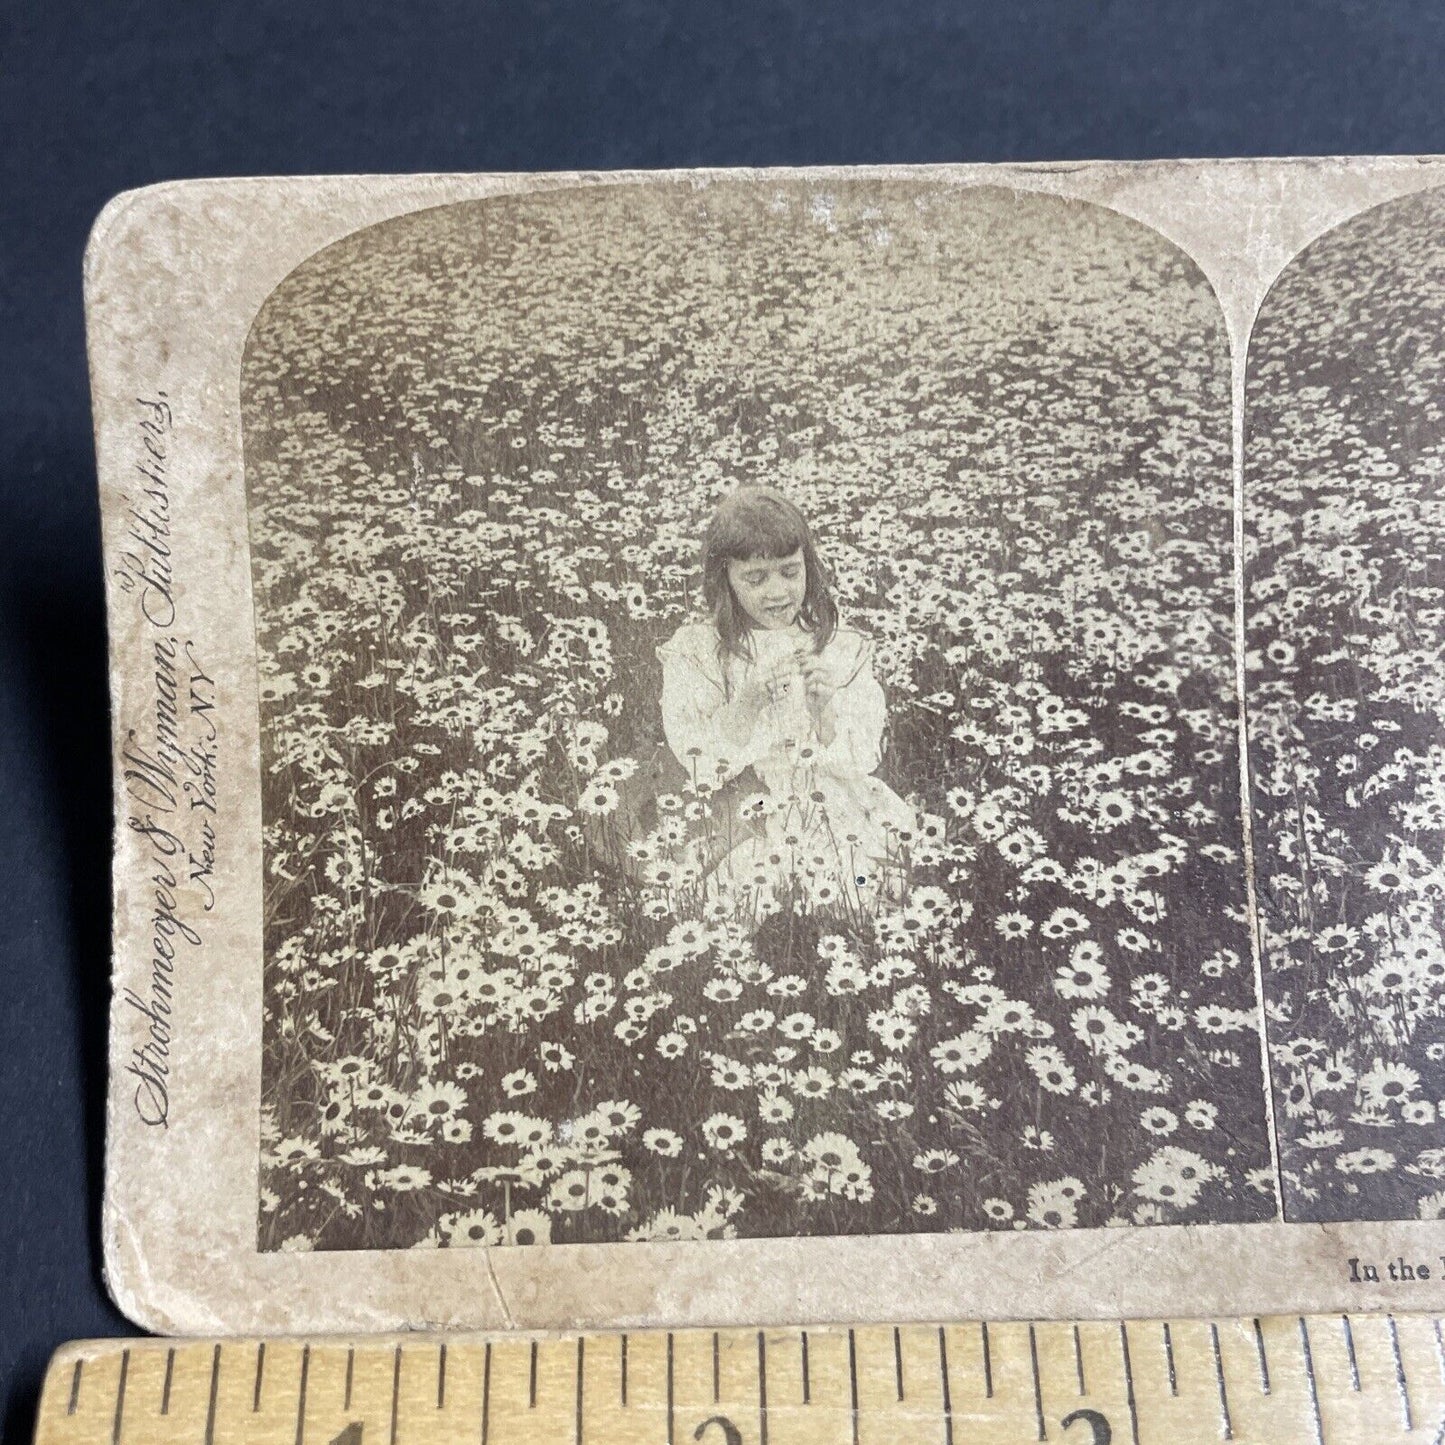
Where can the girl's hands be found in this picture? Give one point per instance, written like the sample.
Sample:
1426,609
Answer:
763,688
819,683
796,670
771,684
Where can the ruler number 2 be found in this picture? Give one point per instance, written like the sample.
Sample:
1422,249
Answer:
1102,1431
730,1433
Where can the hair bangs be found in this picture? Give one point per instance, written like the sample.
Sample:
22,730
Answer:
756,524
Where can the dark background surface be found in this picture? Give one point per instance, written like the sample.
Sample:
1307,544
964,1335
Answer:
97,99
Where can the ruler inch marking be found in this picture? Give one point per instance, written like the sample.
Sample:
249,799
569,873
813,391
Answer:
350,1370
898,1361
1038,1386
532,1379
442,1377
1263,1358
671,1422
1079,1362
486,1392
75,1387
215,1384
716,1368
1309,1357
807,1384
1169,1360
260,1374
987,1361
1129,1383
1350,1352
853,1381
947,1396
120,1398
581,1343
166,1387
395,1392
1219,1379
762,1388
1401,1383
622,1369
301,1402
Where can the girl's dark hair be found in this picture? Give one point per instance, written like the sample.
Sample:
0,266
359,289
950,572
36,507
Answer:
754,522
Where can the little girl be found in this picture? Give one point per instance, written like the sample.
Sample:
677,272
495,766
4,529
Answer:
772,684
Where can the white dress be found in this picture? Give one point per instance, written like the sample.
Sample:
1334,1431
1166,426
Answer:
821,821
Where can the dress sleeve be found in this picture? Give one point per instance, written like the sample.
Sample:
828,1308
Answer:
693,696
859,713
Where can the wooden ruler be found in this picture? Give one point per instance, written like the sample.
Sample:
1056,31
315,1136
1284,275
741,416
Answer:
1325,1380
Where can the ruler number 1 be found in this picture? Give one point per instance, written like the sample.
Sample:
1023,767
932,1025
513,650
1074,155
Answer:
349,1436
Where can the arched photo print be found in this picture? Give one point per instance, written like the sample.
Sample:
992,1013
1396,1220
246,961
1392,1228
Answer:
748,723
1345,598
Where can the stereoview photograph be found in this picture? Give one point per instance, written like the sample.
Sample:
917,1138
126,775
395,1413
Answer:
745,721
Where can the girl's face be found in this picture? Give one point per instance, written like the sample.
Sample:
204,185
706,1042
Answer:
770,589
